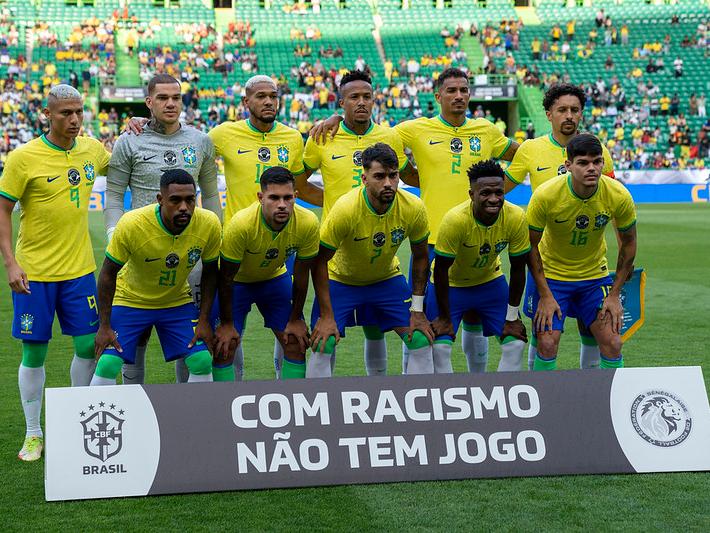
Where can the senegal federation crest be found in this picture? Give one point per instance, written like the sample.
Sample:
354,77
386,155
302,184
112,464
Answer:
474,143
26,322
282,153
189,155
89,171
103,431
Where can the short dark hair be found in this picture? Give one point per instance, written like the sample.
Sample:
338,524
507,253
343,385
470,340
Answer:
485,169
448,73
583,144
353,75
277,176
176,175
382,153
563,89
160,78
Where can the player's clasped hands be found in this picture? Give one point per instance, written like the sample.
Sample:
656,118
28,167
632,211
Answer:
324,329
204,333
105,338
419,321
298,330
443,326
547,308
225,342
515,328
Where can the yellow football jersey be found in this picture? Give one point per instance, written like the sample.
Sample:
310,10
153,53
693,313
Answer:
475,247
573,247
443,153
53,187
366,243
544,158
340,159
262,252
247,153
155,262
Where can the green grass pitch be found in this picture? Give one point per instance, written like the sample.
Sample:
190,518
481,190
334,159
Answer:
674,247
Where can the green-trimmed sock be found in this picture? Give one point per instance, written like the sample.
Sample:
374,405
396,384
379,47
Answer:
223,373
545,364
612,363
293,369
588,352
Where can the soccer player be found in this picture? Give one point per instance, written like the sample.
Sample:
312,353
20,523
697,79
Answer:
340,162
52,268
567,217
443,148
543,158
359,241
467,269
257,242
143,281
138,161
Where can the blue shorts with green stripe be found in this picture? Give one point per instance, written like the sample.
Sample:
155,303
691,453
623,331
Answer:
489,300
580,299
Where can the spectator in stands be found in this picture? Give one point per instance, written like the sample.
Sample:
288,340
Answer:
556,33
701,106
599,19
678,67
624,32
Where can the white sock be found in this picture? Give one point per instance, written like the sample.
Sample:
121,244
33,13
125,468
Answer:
182,373
81,371
320,365
99,381
532,352
200,378
442,358
278,358
134,374
511,359
421,361
31,382
239,363
405,358
475,346
376,357
589,356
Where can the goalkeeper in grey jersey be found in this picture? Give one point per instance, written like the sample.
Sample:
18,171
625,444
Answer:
138,161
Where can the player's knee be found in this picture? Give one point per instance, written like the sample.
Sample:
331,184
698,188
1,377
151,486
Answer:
34,354
293,352
611,347
373,333
109,366
419,340
84,346
547,346
200,363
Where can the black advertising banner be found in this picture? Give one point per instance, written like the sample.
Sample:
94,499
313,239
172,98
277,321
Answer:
166,439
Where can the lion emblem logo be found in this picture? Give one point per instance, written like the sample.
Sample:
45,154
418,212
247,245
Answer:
661,418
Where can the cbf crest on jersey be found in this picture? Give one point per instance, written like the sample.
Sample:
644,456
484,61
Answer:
103,431
193,255
456,145
397,236
474,143
89,171
601,220
26,322
282,153
189,156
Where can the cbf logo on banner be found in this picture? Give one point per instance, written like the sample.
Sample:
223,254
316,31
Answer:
134,440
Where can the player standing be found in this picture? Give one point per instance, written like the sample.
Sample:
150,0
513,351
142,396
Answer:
543,158
567,217
467,269
143,281
257,242
340,162
52,270
138,161
359,241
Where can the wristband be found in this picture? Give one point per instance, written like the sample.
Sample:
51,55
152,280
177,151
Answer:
512,313
417,303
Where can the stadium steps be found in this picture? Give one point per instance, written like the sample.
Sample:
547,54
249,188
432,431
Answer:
474,52
528,15
127,67
531,101
222,18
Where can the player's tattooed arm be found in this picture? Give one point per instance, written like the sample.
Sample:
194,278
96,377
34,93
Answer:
226,336
612,308
420,273
547,307
442,324
16,277
516,328
296,325
106,289
325,129
326,325
208,285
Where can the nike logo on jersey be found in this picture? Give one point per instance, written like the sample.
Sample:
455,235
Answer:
359,238
240,151
150,260
540,169
94,322
334,157
561,221
148,158
435,142
254,253
50,180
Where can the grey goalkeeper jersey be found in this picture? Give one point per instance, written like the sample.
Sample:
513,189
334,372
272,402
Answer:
138,161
